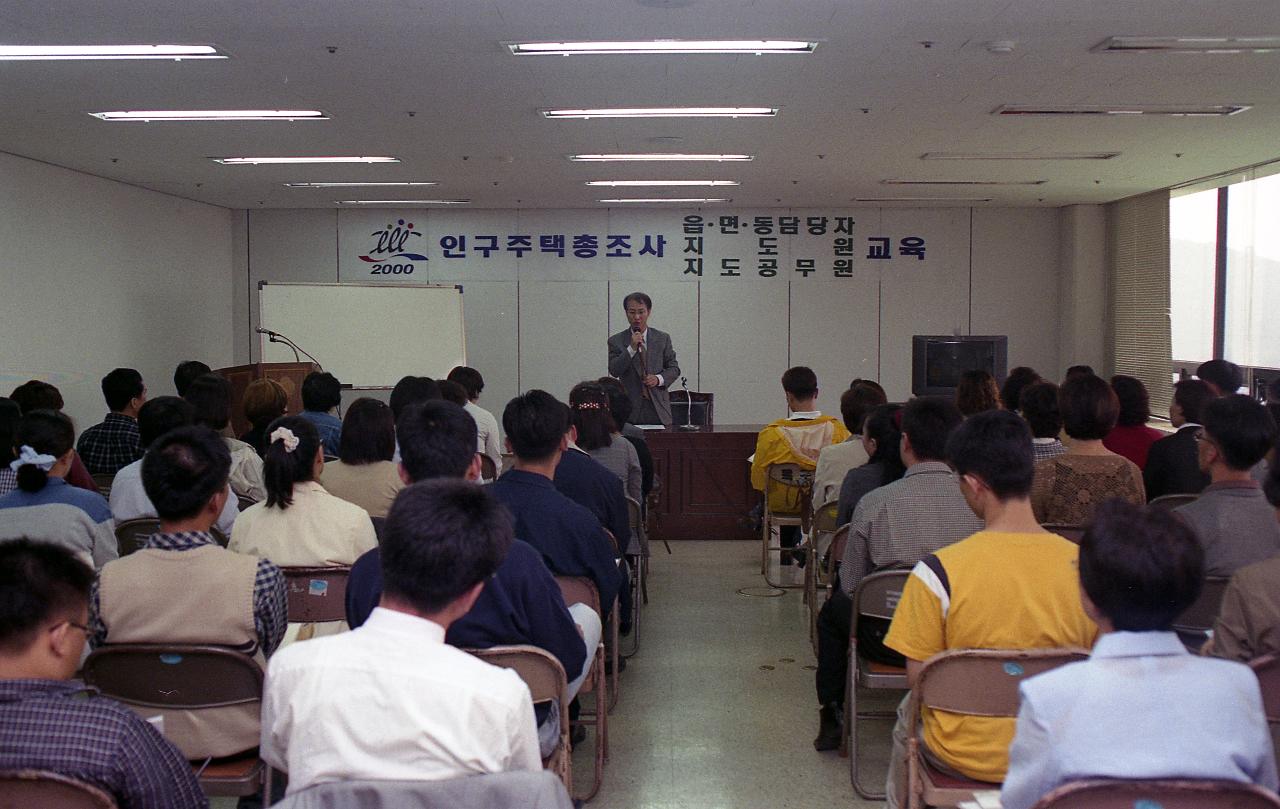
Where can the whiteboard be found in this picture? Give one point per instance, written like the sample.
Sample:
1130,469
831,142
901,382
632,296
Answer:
368,336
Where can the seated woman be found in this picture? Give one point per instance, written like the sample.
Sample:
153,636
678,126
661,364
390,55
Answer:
265,400
600,437
43,506
364,473
882,438
210,395
977,393
1069,487
620,409
1131,437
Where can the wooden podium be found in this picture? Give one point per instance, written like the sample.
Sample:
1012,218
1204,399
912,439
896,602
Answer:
288,374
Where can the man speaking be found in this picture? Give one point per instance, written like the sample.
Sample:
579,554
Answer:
645,362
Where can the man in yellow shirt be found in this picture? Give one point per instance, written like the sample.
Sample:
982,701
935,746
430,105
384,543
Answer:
1012,585
796,439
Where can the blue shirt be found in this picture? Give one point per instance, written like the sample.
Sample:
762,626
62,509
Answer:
57,490
1141,706
590,484
329,427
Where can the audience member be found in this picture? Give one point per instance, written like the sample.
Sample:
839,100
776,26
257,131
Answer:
37,395
321,395
1231,517
1078,370
486,425
43,506
453,392
186,373
182,587
412,389
893,526
1172,463
1248,624
210,395
1017,381
10,415
1140,706
1131,437
113,443
1273,399
1039,407
835,461
391,700
600,438
1070,486
620,409
265,400
977,393
1012,585
129,499
50,721
364,473
1222,376
881,436
796,439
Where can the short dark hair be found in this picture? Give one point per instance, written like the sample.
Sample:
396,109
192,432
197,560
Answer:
162,414
1078,370
183,469
1225,375
1039,406
120,386
1017,381
1135,404
412,389
37,395
281,468
39,582
321,391
210,395
638,297
442,538
800,381
469,379
48,432
1192,395
186,372
1089,407
977,393
453,392
1141,568
535,423
437,440
619,401
368,433
995,446
928,422
1241,427
589,412
10,415
857,402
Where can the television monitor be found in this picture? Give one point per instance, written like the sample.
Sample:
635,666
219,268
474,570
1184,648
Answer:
937,361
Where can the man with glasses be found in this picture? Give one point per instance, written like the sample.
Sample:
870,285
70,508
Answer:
645,361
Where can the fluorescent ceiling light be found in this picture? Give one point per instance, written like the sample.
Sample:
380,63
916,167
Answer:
149,116
1019,155
1191,110
257,161
963,182
394,202
355,185
686,200
665,112
64,52
655,183
922,199
659,46
656,157
1204,45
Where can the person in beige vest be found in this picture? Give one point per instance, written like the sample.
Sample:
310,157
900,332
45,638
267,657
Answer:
364,473
182,587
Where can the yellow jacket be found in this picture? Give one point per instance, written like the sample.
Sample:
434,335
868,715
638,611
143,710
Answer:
792,441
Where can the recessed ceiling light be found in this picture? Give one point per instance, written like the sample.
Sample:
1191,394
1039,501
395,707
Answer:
659,46
963,182
1197,110
655,183
922,199
686,200
665,112
657,157
394,202
257,161
355,185
62,52
1204,45
1019,155
149,116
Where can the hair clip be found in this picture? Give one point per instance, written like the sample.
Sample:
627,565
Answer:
286,437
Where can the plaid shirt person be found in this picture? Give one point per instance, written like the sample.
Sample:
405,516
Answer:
111,445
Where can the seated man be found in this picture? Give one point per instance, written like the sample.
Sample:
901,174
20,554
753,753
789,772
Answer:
893,526
835,460
1248,623
390,700
1231,517
182,587
113,443
321,395
48,720
1141,706
1172,465
155,418
1012,585
36,395
188,371
796,439
568,536
1222,376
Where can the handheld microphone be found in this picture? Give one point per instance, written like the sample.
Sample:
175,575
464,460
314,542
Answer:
267,332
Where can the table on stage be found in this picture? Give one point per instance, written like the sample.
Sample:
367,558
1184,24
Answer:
706,482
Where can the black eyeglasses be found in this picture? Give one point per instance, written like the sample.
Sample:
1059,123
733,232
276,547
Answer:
85,629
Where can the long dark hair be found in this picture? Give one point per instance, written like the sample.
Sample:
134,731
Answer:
589,406
282,468
48,432
884,427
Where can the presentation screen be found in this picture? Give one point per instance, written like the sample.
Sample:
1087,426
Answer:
369,336
938,361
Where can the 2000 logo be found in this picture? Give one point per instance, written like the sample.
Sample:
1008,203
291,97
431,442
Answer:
392,269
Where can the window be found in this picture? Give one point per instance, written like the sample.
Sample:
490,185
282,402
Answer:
1193,242
1252,322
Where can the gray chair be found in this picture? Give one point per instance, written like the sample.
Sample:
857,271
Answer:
1169,502
1075,533
1165,794
22,789
505,790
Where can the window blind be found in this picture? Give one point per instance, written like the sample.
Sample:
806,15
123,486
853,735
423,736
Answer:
1138,247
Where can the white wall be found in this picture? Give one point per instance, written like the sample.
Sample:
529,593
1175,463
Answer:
95,274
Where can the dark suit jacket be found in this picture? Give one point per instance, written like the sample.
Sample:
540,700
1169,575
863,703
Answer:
1172,467
661,360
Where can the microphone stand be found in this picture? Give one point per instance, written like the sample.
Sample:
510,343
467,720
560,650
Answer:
276,337
688,425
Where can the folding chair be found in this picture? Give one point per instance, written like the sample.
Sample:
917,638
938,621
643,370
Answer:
1168,502
547,681
1268,670
1157,794
133,534
816,574
1066,530
975,682
875,596
20,789
488,469
501,790
797,480
637,554
188,677
579,589
103,481
1194,624
317,594
245,502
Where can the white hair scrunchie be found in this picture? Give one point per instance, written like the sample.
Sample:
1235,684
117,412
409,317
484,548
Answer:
29,457
285,436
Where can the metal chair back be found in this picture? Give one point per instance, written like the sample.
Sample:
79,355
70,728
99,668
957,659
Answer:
1165,794
317,594
1168,502
22,789
131,535
1075,533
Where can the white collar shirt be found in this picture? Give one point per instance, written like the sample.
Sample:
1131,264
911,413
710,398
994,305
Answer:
391,701
129,499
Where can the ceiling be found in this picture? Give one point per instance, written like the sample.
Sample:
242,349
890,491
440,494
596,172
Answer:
427,81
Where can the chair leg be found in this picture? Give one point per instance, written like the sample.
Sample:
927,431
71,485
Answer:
598,718
613,654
